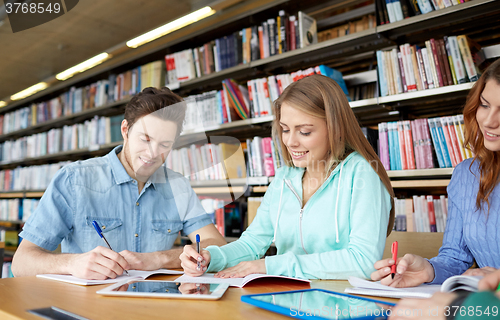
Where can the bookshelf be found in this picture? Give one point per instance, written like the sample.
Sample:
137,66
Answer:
351,49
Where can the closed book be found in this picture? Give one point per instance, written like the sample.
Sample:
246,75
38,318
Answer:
417,150
472,56
443,143
458,65
421,68
410,155
436,143
446,65
437,62
454,139
402,146
416,72
448,139
432,214
383,145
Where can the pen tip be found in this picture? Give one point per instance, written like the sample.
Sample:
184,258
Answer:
392,275
197,238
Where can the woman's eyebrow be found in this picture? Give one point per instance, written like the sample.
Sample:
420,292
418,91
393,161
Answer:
484,99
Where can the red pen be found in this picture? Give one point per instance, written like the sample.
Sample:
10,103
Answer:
394,250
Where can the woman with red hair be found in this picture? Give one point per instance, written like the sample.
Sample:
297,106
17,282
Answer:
473,226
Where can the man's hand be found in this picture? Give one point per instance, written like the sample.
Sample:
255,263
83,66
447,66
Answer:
99,264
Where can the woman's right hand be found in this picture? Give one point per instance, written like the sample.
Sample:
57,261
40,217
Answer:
189,261
411,271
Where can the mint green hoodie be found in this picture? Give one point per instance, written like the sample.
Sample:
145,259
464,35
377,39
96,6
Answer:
340,232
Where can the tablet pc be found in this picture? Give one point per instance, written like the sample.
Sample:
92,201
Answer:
320,304
165,289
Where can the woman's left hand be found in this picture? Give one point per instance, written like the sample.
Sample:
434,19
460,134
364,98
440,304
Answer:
484,271
243,269
434,308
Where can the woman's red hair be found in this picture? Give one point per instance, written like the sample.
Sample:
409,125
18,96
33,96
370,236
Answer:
489,164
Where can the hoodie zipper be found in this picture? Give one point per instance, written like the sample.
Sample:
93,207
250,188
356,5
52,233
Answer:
300,213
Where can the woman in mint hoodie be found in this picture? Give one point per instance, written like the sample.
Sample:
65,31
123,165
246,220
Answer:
328,211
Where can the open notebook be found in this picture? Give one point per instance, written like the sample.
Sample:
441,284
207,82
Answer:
233,282
370,288
133,274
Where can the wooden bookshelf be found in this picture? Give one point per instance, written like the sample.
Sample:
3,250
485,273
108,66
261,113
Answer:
420,184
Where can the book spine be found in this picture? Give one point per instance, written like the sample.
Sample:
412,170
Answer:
402,146
446,65
421,69
437,64
402,71
410,155
467,57
457,60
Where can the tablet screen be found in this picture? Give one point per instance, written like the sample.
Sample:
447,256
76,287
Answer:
316,303
165,287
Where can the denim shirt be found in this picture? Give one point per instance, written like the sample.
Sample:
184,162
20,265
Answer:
470,234
100,189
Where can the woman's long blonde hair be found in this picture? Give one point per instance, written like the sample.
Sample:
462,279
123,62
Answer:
322,97
489,161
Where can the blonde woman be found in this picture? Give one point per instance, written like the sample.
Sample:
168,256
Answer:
328,211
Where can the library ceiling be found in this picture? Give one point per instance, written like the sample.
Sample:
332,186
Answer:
92,26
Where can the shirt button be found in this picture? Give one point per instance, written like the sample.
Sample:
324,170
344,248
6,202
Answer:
137,203
103,227
168,230
136,235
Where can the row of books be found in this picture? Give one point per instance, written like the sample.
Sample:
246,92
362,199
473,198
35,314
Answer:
228,218
29,178
406,145
90,134
421,214
76,100
237,102
365,23
442,62
264,156
390,11
274,36
17,209
209,161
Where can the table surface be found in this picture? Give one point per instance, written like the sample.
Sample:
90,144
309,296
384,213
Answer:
20,294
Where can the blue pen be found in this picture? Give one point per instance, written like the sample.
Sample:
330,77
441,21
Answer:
99,232
198,249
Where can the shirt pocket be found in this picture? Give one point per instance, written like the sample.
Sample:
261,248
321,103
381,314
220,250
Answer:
106,224
167,227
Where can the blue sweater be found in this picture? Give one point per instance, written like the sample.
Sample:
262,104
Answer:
470,234
340,232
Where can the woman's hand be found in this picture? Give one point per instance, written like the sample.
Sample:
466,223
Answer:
190,258
411,271
243,269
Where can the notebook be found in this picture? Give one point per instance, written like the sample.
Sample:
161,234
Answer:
365,287
233,282
133,274
370,288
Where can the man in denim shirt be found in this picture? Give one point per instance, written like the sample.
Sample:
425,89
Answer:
139,204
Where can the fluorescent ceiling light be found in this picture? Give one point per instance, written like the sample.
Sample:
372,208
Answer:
28,92
170,27
391,113
90,63
2,104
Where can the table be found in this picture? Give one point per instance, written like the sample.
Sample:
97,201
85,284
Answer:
20,294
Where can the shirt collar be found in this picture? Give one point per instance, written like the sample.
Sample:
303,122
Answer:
121,175
119,172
